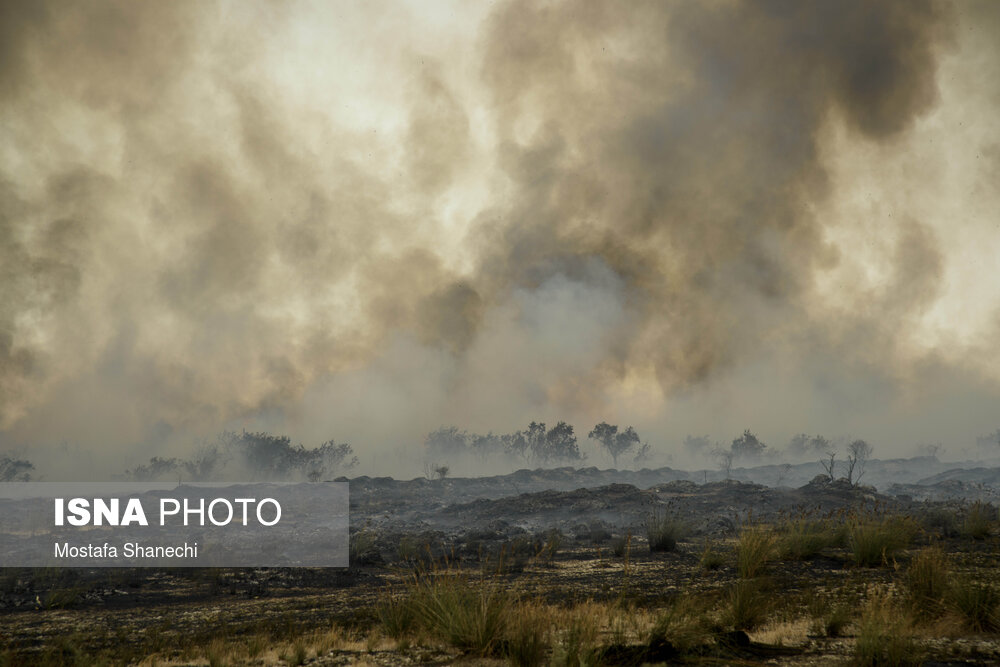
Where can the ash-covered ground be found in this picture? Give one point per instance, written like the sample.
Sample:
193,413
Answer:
567,538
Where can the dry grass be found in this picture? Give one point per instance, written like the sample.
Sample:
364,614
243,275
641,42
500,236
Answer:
802,539
874,542
471,616
664,531
977,603
927,580
978,521
884,635
755,547
784,633
747,607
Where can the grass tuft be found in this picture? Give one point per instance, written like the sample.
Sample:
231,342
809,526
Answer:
527,642
978,520
875,542
471,618
927,581
883,636
754,548
747,606
711,559
664,531
977,603
686,624
801,539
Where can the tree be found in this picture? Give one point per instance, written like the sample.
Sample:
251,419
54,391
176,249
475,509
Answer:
858,453
487,445
697,444
747,446
447,441
829,463
516,445
614,442
561,443
803,444
271,457
556,444
156,469
15,470
724,457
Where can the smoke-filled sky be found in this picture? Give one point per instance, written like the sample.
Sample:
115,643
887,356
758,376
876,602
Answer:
362,221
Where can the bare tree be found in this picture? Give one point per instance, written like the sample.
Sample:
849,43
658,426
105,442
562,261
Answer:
724,457
829,463
858,453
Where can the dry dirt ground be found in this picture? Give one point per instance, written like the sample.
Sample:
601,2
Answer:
553,542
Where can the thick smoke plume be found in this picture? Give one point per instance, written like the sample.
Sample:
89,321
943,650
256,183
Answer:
364,222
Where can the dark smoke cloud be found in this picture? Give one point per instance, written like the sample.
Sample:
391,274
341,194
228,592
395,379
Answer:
185,243
679,143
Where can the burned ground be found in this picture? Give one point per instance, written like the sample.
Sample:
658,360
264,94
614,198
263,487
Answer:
573,543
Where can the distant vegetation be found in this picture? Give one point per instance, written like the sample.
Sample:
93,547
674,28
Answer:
535,444
15,470
259,456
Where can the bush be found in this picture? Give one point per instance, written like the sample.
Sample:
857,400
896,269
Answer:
977,603
873,542
883,637
664,531
754,548
927,581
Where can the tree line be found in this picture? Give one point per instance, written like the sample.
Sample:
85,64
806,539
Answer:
537,444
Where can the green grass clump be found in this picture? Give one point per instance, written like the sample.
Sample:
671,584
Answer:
664,531
874,542
976,603
927,581
755,546
883,637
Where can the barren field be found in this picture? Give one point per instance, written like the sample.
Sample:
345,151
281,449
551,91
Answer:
568,568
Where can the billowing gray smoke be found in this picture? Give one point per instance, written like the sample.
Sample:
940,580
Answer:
582,211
